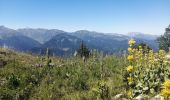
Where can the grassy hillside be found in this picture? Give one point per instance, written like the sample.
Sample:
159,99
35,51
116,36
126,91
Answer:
142,74
24,76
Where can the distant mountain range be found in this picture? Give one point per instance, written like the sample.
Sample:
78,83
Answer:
63,43
15,40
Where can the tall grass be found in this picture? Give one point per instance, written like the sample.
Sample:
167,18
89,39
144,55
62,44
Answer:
30,77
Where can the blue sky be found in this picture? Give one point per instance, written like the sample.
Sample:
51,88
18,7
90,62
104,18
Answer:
111,16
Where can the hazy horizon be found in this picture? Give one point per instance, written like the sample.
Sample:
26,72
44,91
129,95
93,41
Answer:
78,30
109,16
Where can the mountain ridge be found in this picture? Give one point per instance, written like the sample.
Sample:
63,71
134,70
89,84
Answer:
40,38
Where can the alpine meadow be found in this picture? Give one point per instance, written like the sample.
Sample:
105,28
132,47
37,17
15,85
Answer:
84,50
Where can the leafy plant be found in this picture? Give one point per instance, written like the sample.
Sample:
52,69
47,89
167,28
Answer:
146,71
13,81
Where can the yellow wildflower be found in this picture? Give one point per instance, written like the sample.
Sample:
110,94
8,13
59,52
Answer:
130,49
130,68
166,84
130,57
130,79
165,92
131,42
130,93
161,51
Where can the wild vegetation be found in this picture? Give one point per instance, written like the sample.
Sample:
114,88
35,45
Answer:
35,77
24,76
139,74
148,73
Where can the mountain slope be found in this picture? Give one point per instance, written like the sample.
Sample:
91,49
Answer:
109,43
20,43
7,32
13,39
61,45
40,35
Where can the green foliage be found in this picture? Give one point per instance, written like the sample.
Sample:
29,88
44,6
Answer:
13,81
104,91
146,71
144,47
27,77
164,40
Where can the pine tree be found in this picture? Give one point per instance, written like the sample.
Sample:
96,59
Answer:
164,40
83,51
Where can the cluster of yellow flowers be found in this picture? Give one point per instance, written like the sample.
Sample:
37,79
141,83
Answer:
130,93
130,49
130,80
166,91
130,68
146,71
131,42
130,56
166,84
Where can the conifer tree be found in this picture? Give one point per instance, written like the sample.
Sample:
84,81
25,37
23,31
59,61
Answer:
164,40
83,51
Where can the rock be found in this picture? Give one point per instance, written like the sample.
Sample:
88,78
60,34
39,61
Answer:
157,97
51,64
118,96
140,97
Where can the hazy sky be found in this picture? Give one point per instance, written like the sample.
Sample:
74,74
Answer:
114,16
